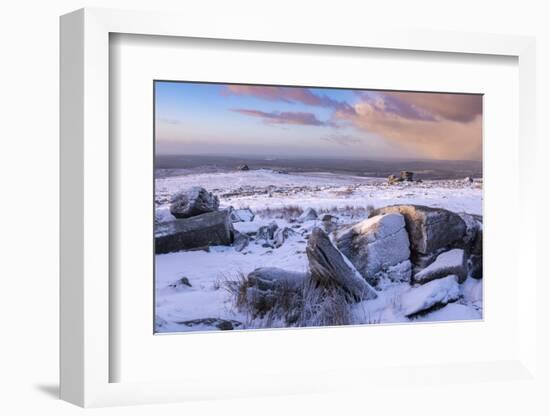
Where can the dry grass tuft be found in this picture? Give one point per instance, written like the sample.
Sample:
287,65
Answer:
352,211
288,306
324,307
286,212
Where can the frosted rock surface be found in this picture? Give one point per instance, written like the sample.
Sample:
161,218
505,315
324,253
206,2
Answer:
378,247
448,262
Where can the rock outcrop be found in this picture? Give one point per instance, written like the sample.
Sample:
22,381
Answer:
475,260
392,179
473,245
281,235
192,202
330,222
240,241
475,266
274,236
406,175
266,232
242,215
308,215
471,230
330,268
429,228
378,247
210,229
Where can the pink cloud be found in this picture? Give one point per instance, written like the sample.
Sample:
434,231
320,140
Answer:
455,107
287,94
441,139
285,117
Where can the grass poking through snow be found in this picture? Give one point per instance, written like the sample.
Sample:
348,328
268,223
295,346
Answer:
283,305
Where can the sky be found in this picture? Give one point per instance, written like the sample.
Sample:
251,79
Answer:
281,121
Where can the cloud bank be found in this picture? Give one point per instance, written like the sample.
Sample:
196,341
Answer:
439,126
363,123
461,108
287,95
285,117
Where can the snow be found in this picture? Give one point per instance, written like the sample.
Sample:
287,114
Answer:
452,312
449,258
472,293
323,190
162,214
341,195
380,226
424,297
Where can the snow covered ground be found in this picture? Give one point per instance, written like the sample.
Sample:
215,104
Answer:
267,193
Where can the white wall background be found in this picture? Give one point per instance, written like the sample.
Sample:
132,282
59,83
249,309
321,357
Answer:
29,56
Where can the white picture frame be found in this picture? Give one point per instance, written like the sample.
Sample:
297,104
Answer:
86,356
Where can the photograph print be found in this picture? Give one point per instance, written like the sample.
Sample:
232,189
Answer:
292,206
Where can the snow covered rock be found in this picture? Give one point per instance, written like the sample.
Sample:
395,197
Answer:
266,232
329,218
308,215
329,267
181,285
162,214
378,247
213,228
193,201
400,273
240,241
392,180
281,235
473,245
448,262
429,228
181,282
421,261
406,175
471,228
242,215
435,293
273,236
330,223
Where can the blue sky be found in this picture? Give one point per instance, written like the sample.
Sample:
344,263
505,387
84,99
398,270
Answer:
202,118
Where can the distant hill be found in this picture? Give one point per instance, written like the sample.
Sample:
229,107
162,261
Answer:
423,169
